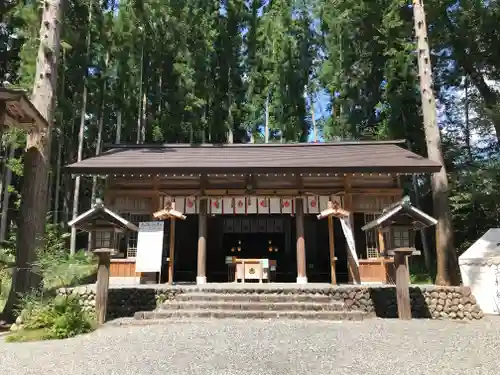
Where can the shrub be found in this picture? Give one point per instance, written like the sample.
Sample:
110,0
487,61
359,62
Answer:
58,317
70,319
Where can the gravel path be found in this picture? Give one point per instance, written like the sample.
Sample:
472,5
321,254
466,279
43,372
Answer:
236,347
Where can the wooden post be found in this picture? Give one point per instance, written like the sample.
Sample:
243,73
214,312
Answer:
301,246
331,239
102,286
201,277
171,251
403,282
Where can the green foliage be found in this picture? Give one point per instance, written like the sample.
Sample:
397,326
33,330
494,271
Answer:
53,318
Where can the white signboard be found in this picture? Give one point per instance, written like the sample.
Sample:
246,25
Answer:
349,236
149,247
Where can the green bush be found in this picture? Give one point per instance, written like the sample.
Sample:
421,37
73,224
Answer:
58,317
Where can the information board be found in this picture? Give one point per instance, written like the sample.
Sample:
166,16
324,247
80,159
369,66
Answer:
149,247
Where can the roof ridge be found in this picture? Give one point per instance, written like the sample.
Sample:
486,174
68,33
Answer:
256,145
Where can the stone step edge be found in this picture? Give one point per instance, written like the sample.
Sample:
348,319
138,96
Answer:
254,295
254,305
127,322
254,314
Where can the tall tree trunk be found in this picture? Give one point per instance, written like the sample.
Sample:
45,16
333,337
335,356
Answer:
100,127
139,111
32,215
447,267
118,135
313,119
83,111
467,131
266,125
57,195
4,223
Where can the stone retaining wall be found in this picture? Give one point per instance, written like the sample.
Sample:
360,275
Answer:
432,302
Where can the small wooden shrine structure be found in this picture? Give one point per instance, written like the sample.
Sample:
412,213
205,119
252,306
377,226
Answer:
105,227
401,213
169,212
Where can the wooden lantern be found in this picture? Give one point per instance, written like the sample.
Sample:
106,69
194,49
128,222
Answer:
105,227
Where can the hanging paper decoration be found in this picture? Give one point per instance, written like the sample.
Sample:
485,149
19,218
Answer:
323,202
286,206
191,205
227,205
167,201
263,205
251,205
179,204
239,205
216,206
312,205
275,205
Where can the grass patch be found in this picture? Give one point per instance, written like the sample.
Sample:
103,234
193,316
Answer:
420,278
27,335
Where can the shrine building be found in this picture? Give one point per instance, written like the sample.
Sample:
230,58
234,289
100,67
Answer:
249,204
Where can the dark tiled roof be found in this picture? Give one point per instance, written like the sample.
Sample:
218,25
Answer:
353,157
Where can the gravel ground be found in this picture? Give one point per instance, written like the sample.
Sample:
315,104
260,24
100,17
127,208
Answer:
236,347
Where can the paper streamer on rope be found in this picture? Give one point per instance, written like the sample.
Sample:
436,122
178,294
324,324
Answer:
349,236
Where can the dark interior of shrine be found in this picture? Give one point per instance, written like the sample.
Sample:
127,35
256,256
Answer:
257,236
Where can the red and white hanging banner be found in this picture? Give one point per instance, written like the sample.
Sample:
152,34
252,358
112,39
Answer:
191,205
252,205
216,206
311,204
287,205
263,205
240,206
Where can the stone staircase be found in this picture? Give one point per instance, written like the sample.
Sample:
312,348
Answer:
213,304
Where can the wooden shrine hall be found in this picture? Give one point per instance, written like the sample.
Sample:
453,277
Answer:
254,212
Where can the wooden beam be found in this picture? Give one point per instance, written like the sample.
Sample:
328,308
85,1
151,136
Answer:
149,191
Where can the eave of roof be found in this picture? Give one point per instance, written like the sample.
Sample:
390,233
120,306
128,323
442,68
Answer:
20,111
335,157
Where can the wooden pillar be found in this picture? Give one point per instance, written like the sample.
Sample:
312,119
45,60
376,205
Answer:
201,277
102,286
402,283
301,245
331,238
171,249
